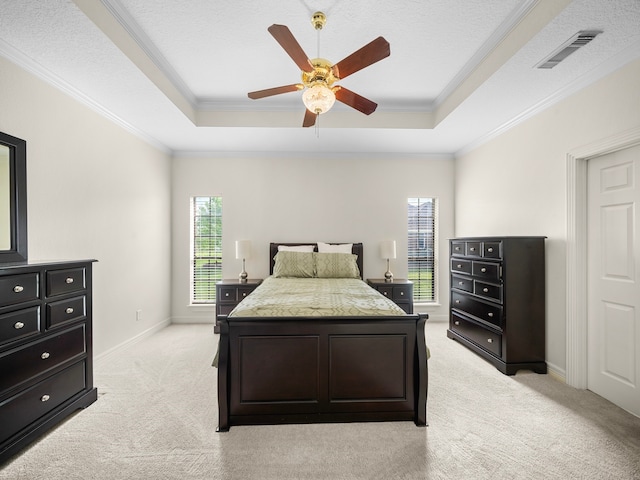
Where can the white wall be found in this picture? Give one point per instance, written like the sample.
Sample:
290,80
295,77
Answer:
516,184
94,191
307,198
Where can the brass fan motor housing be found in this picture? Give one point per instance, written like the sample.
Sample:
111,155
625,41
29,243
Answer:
322,73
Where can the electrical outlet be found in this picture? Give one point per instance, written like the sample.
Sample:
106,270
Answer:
138,315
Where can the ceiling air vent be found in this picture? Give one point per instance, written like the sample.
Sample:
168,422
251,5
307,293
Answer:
579,40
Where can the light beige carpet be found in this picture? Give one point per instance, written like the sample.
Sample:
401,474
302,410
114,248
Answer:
156,415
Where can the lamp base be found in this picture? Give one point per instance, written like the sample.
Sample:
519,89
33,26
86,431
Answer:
243,274
388,276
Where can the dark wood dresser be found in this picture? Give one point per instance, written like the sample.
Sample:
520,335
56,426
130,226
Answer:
230,293
399,290
46,365
497,300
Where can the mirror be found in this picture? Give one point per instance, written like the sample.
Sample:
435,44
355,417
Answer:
13,199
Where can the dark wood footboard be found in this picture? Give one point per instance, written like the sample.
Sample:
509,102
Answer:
310,370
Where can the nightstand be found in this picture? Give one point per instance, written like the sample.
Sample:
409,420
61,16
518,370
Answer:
399,290
230,293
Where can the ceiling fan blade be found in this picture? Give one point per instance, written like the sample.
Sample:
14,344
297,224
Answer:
356,101
275,91
285,38
309,118
369,54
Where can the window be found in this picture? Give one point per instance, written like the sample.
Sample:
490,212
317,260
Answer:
206,248
422,214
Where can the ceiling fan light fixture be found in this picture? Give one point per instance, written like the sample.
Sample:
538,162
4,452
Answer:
318,98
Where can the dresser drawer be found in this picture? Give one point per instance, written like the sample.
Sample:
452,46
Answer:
459,265
487,339
474,249
65,281
488,290
486,270
20,324
32,403
458,249
225,309
462,283
227,294
65,311
243,292
20,365
492,250
397,293
402,293
489,312
18,288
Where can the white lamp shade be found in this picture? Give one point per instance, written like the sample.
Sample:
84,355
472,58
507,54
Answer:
243,249
388,249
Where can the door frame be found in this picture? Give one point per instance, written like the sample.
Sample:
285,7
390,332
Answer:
576,260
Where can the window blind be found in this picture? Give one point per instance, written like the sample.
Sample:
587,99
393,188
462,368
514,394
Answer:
206,259
421,241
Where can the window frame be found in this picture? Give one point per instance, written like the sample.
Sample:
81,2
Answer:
205,294
425,232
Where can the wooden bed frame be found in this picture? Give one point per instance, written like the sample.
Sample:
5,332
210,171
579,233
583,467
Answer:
321,369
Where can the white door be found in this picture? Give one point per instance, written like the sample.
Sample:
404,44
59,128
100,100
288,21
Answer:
614,278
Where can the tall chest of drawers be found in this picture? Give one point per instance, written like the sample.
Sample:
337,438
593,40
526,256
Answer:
497,300
46,365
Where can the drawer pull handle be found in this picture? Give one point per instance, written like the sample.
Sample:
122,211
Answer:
244,294
485,289
483,270
45,355
459,266
457,301
490,314
18,325
226,294
457,322
460,283
384,293
18,288
69,280
489,340
402,294
490,249
44,398
473,249
69,310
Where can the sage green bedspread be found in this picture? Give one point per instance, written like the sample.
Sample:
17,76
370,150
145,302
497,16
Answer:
315,297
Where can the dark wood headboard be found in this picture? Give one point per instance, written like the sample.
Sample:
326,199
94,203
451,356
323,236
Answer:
273,249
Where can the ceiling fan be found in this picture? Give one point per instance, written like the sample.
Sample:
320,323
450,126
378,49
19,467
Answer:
319,75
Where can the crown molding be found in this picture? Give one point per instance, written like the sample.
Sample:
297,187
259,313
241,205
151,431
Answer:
133,29
222,155
608,67
23,61
489,46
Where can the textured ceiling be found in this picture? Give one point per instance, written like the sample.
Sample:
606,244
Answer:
177,73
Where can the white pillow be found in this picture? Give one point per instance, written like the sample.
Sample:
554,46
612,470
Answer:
296,248
341,248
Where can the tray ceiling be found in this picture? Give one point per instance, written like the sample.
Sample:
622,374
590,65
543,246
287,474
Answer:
177,73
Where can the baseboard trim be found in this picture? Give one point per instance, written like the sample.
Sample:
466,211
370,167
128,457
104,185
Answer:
132,341
557,373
